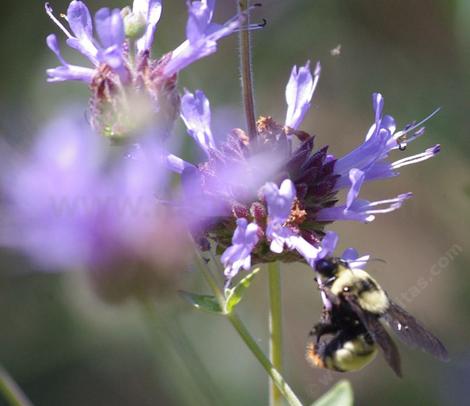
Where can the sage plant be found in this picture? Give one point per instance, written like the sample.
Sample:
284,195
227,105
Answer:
101,196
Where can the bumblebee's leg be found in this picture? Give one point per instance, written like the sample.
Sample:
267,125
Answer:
321,329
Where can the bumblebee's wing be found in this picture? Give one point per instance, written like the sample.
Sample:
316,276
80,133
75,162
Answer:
412,333
378,334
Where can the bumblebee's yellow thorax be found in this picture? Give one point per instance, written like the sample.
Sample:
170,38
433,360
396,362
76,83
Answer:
370,296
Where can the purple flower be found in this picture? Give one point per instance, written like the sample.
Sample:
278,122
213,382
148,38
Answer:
72,207
328,244
201,36
358,209
371,157
280,202
238,255
112,51
370,161
43,188
292,196
129,90
151,11
350,255
299,93
110,29
279,232
196,114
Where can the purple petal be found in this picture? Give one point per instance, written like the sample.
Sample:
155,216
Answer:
304,248
364,155
200,16
110,27
86,48
199,44
53,45
70,72
328,244
279,200
388,122
151,10
79,19
377,104
356,176
196,114
350,254
299,93
380,170
362,210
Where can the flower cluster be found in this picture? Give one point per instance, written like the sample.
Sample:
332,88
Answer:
275,200
257,200
125,81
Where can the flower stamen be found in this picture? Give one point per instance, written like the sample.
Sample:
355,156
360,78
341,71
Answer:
50,13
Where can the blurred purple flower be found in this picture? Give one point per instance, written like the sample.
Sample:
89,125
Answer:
70,206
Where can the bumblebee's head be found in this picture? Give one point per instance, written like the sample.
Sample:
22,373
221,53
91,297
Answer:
327,267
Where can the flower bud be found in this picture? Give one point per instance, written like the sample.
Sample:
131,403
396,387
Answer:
135,24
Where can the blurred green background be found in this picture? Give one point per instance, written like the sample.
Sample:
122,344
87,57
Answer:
66,348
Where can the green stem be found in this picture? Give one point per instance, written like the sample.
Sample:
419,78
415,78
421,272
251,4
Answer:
283,387
210,279
246,73
275,328
250,342
12,391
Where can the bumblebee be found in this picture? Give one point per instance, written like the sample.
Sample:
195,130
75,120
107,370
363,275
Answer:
358,307
348,346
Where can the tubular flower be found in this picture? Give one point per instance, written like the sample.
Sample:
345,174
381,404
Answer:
70,206
285,197
129,87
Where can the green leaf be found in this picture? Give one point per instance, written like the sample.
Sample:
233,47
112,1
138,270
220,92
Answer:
235,294
339,395
205,303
